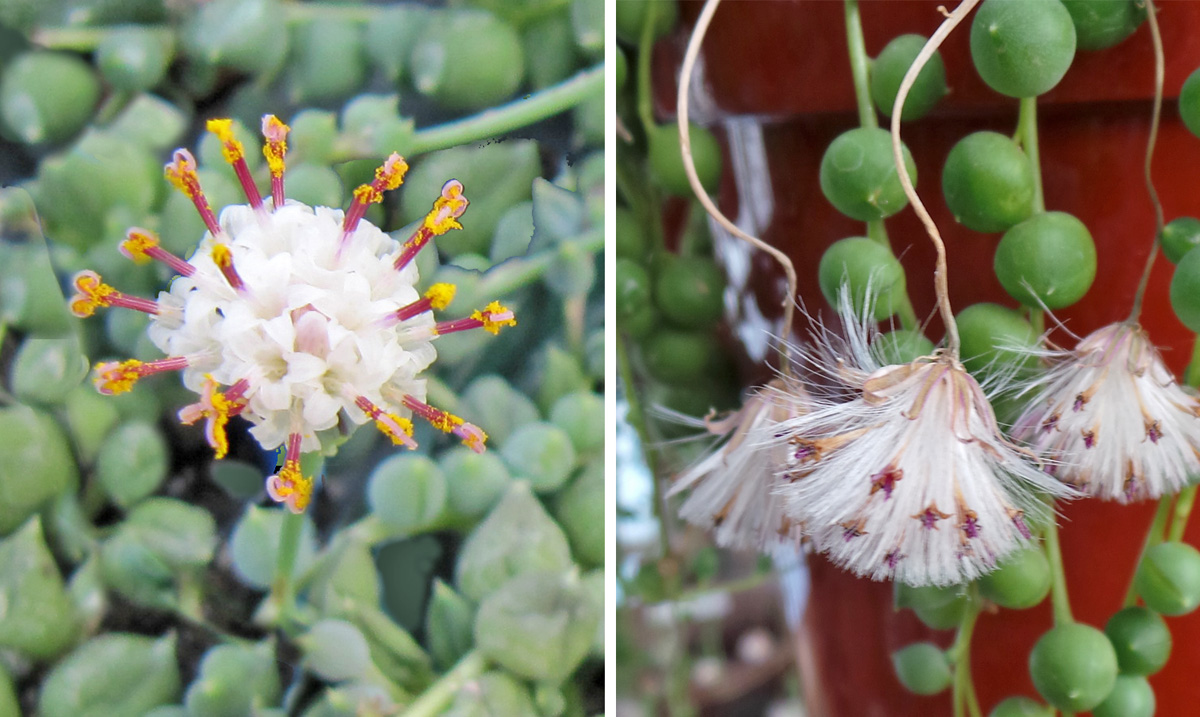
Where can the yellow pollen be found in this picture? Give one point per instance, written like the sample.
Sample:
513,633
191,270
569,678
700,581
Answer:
440,295
293,483
472,441
220,419
222,256
276,146
231,148
136,243
445,421
439,225
386,429
93,293
367,194
492,324
182,175
391,174
119,378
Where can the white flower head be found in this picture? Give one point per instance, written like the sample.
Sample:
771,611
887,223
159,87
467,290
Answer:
1112,418
910,478
307,315
731,489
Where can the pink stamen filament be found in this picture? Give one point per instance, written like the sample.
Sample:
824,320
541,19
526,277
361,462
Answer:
243,174
412,247
182,173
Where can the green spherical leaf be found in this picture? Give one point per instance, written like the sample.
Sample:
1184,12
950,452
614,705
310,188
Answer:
922,668
467,60
1022,48
681,358
1185,290
868,270
518,536
254,545
406,492
244,35
336,650
450,625
132,463
901,346
542,453
549,45
889,68
114,674
327,61
538,626
1020,581
391,34
1021,707
581,415
1168,578
474,481
988,182
513,234
858,174
992,338
47,96
1048,259
631,15
46,370
1132,696
1141,638
1180,236
9,706
632,241
36,462
925,597
580,511
1073,667
633,289
689,290
133,58
38,620
234,680
665,157
1100,24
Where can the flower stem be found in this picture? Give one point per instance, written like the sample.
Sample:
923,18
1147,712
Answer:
1191,375
434,700
1058,578
1154,536
518,113
1183,511
283,587
1027,136
860,65
960,653
1155,117
645,105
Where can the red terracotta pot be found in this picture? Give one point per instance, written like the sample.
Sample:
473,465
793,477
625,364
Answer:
787,63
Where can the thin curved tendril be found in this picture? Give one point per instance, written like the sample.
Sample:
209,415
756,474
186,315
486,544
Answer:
689,166
1156,39
940,284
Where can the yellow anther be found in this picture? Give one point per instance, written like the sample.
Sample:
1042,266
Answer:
231,148
221,406
495,316
388,423
113,378
367,194
222,256
276,146
91,293
181,173
136,243
391,174
440,295
292,487
445,421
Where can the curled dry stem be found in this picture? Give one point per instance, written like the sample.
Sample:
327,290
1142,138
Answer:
941,285
681,106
